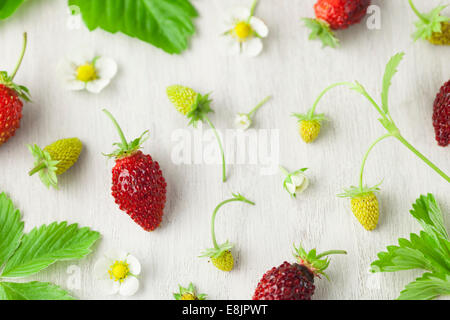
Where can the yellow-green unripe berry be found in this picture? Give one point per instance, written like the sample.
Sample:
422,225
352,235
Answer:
225,262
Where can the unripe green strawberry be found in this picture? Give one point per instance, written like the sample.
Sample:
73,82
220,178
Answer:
364,204
55,159
366,210
309,125
441,38
188,293
225,262
183,98
309,130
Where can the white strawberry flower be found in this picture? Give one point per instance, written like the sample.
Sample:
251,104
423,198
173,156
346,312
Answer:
244,32
243,121
86,71
117,273
295,182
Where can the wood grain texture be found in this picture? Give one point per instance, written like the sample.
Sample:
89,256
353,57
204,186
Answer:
294,71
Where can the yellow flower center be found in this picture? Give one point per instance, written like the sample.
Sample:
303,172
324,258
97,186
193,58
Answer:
119,271
242,30
86,72
188,296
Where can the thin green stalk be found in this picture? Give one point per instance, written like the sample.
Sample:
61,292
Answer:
36,169
119,130
259,105
421,156
361,173
252,9
327,253
313,109
224,174
420,15
24,47
213,218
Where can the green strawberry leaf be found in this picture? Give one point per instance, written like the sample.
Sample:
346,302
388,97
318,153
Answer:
34,290
166,24
427,287
427,212
391,70
8,7
11,228
45,245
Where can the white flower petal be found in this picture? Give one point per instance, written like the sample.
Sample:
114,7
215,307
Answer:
74,85
106,68
67,69
304,185
82,57
252,47
242,121
96,86
240,13
109,286
298,179
291,188
259,26
116,255
101,268
134,265
233,46
129,286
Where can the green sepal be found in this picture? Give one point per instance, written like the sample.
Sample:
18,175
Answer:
21,91
429,23
199,109
310,116
132,146
354,192
216,253
321,30
45,166
316,263
189,290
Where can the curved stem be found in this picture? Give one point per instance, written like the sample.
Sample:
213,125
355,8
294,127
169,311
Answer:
327,253
224,174
259,105
24,47
252,9
213,218
313,109
420,15
361,173
119,130
424,159
38,168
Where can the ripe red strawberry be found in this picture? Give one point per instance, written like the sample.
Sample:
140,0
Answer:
335,15
441,115
294,281
138,185
10,103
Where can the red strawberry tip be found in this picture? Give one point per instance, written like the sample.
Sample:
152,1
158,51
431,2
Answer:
125,148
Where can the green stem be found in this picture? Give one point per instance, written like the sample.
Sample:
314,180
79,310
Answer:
252,9
213,218
119,130
21,56
224,174
259,105
361,173
424,159
327,253
313,109
38,168
420,15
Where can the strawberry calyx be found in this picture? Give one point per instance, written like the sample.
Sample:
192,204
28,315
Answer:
188,293
200,108
45,166
428,23
7,80
321,30
354,192
316,263
125,148
310,116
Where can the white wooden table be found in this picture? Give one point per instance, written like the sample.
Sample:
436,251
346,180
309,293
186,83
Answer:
294,71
